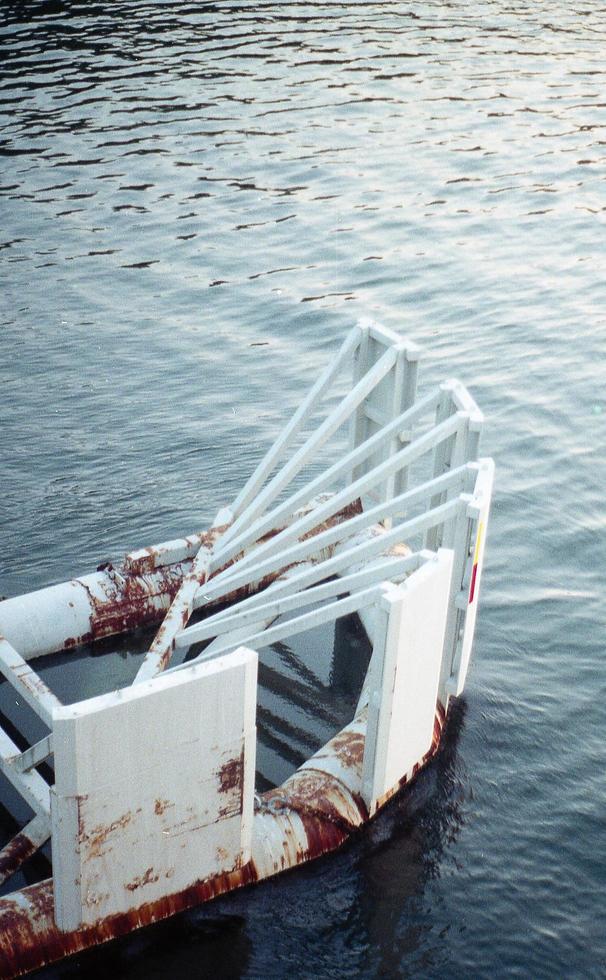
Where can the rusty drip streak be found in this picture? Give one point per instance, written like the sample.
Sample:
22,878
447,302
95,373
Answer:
231,774
438,728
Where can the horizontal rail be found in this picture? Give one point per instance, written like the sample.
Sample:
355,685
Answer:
29,785
27,683
302,580
454,479
395,569
36,754
331,507
326,614
367,549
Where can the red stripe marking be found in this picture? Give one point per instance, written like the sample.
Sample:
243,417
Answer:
472,587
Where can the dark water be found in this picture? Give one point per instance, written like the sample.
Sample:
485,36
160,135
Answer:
196,202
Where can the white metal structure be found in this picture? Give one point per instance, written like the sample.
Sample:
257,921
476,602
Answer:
390,524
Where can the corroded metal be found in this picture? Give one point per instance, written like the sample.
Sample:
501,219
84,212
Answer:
311,814
181,821
22,846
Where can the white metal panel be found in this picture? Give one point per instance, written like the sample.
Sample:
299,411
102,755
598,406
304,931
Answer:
154,788
404,685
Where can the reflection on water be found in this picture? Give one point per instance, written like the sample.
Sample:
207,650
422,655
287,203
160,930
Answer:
196,200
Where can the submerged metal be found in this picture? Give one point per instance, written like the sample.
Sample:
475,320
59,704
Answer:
312,814
393,529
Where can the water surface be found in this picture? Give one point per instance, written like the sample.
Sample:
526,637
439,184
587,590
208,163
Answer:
196,202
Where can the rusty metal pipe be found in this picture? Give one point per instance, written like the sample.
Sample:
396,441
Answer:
313,812
22,846
107,602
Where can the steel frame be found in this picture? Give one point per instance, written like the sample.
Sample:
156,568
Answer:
288,542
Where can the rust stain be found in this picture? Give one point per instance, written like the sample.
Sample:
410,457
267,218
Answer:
15,853
161,805
352,510
322,836
438,728
74,641
133,602
29,938
147,878
231,774
136,594
139,592
98,836
349,748
144,560
314,794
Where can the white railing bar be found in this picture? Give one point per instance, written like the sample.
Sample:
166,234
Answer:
29,785
317,439
158,656
317,573
349,557
300,624
325,479
454,479
36,754
423,444
367,549
27,683
285,438
214,625
463,400
182,606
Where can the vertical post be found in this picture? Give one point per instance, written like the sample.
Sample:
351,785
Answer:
478,514
461,536
456,451
441,458
409,367
395,393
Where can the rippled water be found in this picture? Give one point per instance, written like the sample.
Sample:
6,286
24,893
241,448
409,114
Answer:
196,201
